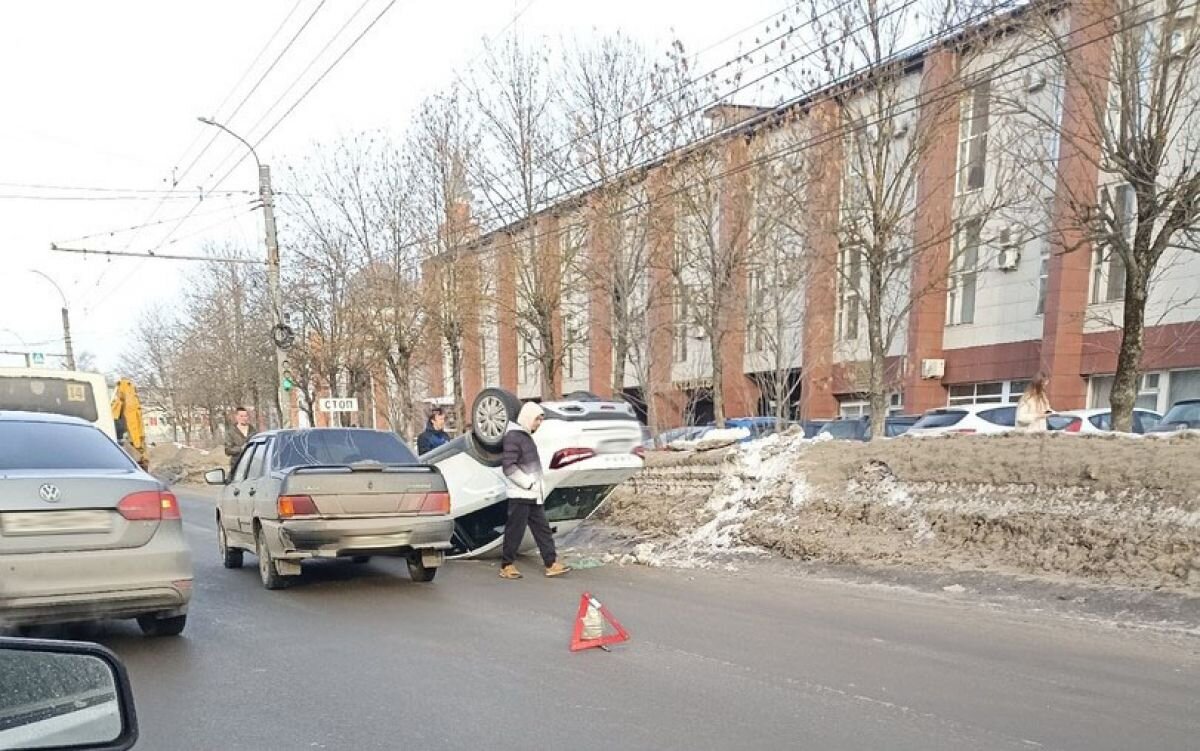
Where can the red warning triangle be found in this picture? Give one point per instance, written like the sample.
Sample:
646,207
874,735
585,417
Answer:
589,626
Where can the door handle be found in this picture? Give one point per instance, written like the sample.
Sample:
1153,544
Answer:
252,491
237,492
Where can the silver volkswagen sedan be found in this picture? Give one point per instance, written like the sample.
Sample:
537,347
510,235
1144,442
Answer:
85,534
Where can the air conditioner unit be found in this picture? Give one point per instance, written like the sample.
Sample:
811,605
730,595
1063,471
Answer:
1008,259
1034,82
931,369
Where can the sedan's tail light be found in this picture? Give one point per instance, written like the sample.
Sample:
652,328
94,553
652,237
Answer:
436,503
296,505
149,506
1074,426
567,457
640,452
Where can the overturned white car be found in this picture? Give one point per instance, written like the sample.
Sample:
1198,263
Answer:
588,446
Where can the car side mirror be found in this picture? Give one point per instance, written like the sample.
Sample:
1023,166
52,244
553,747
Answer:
215,477
64,695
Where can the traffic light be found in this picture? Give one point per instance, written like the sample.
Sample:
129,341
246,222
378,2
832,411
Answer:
288,384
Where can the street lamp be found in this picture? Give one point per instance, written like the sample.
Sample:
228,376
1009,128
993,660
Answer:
279,332
66,318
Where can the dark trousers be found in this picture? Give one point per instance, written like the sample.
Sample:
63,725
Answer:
532,515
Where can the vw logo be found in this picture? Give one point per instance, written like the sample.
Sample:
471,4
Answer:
49,493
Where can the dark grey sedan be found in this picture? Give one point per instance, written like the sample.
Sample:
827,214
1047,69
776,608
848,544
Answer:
85,534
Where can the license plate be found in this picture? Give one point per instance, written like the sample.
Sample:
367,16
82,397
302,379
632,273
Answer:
55,523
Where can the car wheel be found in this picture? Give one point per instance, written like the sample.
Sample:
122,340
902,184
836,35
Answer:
271,578
361,559
491,413
230,557
153,626
419,571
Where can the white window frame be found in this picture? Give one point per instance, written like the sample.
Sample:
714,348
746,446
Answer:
1154,383
965,273
1106,286
1043,282
683,328
973,136
849,304
1009,392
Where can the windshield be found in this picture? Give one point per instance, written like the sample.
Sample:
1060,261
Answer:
58,396
48,445
843,429
942,418
335,446
1186,412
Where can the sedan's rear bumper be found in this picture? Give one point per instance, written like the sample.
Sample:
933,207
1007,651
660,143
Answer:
299,539
92,585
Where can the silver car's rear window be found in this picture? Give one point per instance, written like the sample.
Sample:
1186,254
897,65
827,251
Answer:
48,445
335,446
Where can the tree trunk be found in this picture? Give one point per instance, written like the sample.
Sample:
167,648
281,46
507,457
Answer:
460,407
620,355
876,387
718,380
1129,357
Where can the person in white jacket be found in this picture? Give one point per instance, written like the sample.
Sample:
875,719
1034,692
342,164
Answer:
522,468
1033,407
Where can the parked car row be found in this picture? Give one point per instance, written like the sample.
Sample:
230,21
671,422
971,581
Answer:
972,419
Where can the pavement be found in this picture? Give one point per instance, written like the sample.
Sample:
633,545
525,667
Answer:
360,657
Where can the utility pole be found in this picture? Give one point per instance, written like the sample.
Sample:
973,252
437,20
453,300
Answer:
66,318
268,201
277,329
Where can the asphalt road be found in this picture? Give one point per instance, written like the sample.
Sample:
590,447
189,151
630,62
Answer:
359,657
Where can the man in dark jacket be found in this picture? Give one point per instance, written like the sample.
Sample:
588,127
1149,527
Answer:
434,434
522,467
236,436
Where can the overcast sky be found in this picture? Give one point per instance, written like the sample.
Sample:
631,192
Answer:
105,95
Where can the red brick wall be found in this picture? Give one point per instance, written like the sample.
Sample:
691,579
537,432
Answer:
665,401
1175,345
739,393
1089,50
820,293
992,362
934,226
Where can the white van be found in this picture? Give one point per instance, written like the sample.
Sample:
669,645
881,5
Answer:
59,392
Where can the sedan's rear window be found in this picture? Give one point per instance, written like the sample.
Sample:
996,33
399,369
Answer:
942,418
1184,412
845,430
339,447
1006,416
48,445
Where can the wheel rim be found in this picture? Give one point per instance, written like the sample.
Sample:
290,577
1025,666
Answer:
491,418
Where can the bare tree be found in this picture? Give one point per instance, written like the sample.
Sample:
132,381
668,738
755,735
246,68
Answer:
894,123
1129,71
518,174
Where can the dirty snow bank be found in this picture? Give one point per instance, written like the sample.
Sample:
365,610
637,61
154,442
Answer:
1114,510
179,463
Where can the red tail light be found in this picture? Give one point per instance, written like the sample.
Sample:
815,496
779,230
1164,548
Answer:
567,457
149,506
296,505
640,452
1074,426
436,503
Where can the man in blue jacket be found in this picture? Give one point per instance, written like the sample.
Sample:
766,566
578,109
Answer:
434,434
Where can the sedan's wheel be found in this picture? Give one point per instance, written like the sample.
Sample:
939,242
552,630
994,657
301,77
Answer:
230,557
271,578
419,571
493,410
152,626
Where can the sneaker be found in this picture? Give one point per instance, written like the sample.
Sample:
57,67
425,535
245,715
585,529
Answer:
509,572
557,569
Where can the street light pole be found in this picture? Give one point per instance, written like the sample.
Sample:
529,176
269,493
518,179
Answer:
268,201
66,319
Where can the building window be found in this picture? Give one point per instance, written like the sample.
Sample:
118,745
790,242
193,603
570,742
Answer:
1043,282
756,309
960,300
1150,390
859,406
848,312
993,392
682,329
972,141
1108,267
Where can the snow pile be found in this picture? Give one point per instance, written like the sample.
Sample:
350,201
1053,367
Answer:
755,473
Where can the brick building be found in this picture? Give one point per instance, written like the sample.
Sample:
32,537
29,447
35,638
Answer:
1020,306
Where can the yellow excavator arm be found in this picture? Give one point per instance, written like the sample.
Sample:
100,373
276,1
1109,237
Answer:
127,414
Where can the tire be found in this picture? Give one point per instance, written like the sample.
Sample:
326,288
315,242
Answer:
491,413
230,557
152,626
361,559
271,578
419,571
